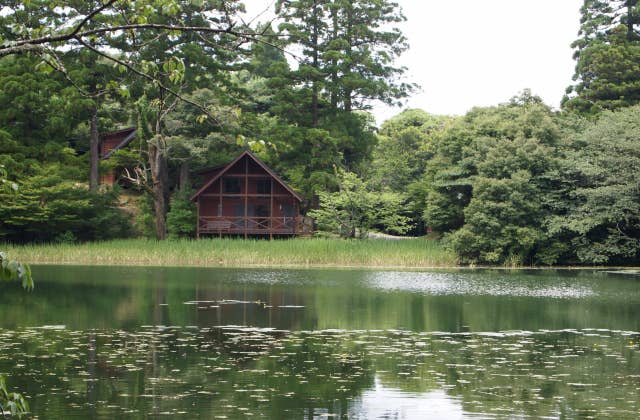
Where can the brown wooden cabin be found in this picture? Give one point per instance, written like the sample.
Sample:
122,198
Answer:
247,198
109,144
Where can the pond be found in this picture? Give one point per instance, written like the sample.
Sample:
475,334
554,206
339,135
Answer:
106,342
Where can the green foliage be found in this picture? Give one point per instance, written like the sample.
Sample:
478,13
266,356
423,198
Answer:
15,270
598,212
144,222
348,49
181,218
404,148
501,221
516,184
607,75
11,402
267,60
10,269
510,184
354,210
49,207
487,181
491,142
311,115
6,185
35,109
403,152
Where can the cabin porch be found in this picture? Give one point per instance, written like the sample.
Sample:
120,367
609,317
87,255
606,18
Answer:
271,226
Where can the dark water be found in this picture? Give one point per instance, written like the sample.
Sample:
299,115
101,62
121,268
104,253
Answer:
234,343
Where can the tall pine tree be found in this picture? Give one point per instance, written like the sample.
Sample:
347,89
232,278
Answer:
607,54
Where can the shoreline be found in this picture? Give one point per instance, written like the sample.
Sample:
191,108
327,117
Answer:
317,253
627,270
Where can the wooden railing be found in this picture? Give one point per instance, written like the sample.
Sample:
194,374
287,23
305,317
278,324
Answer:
254,225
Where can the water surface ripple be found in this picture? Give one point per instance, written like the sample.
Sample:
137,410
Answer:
110,342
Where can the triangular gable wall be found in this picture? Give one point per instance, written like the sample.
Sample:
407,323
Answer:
230,169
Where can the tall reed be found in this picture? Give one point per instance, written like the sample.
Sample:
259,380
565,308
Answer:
228,252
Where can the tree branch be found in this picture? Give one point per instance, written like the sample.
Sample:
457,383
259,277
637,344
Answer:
148,77
60,68
34,44
91,16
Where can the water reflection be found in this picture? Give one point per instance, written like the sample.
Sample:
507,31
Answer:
473,284
238,372
141,342
453,301
386,403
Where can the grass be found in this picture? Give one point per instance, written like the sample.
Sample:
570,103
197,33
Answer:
317,252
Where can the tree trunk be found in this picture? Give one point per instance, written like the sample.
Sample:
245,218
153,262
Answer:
160,179
347,100
314,106
349,36
94,151
185,180
334,63
631,19
314,45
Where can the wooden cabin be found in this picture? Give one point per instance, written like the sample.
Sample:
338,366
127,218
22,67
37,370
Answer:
247,198
109,144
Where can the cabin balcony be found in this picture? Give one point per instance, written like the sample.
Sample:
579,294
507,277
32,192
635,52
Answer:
232,225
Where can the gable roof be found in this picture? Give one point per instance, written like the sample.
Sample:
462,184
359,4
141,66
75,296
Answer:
210,169
127,134
236,160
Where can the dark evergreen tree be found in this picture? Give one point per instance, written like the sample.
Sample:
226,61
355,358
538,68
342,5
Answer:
607,75
348,49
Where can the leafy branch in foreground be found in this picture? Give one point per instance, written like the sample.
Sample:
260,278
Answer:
49,22
14,270
10,269
115,30
11,402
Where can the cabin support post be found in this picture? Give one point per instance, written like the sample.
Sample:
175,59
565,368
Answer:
198,218
271,210
220,208
246,195
295,217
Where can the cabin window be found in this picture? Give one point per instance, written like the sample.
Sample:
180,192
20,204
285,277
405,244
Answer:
264,186
232,186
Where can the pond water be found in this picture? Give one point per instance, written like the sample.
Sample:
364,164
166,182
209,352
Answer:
106,342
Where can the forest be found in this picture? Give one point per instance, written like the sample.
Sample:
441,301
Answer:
518,183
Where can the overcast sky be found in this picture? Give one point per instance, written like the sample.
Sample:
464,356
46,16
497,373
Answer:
468,53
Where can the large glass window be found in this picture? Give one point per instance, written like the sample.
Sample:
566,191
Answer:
232,186
264,186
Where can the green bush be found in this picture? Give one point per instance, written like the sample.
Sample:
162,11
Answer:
182,216
48,208
355,210
144,223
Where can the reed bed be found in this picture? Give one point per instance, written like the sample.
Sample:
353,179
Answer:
229,252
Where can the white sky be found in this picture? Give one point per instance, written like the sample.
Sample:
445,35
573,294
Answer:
468,53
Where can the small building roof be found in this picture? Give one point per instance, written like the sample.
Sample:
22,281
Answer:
126,134
236,160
